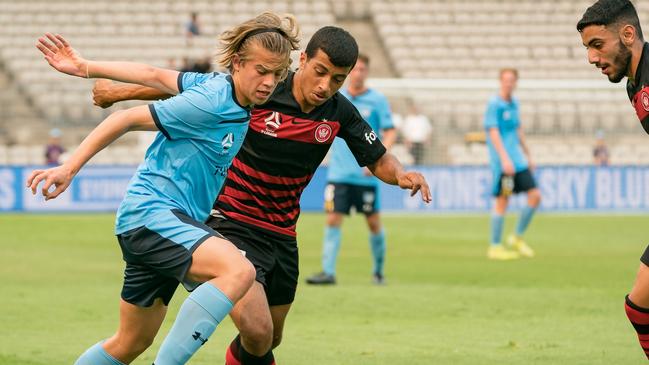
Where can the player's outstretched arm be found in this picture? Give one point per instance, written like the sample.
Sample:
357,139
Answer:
389,170
105,93
62,57
118,123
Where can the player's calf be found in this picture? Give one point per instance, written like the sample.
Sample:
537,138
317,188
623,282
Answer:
639,318
236,354
256,337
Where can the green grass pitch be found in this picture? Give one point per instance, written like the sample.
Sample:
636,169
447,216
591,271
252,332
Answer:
60,278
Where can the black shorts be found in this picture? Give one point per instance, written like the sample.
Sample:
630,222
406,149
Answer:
158,256
275,258
523,181
341,197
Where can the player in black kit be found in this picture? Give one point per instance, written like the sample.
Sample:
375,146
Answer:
258,208
610,30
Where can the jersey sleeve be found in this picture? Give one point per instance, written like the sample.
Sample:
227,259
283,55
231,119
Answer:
385,114
189,79
491,115
189,114
361,139
640,103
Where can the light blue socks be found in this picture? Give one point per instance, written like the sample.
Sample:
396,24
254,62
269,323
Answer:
330,248
377,243
497,223
198,317
96,355
524,220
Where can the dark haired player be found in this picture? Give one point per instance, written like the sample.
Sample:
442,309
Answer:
259,206
610,30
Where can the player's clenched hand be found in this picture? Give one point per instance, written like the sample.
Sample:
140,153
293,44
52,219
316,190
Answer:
415,182
60,55
101,93
508,168
59,176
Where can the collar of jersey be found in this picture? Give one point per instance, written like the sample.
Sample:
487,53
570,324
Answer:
234,94
638,71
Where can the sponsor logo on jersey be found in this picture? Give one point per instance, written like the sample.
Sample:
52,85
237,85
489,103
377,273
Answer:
370,137
323,132
272,122
644,99
227,141
221,170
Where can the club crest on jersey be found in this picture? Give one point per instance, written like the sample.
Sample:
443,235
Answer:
644,99
323,132
227,141
272,122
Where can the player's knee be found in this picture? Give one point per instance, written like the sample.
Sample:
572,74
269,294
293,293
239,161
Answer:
260,333
535,197
244,272
334,220
375,227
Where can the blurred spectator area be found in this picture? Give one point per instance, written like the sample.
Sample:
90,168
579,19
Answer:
454,48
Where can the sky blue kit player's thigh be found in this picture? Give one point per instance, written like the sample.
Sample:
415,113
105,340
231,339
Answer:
367,200
524,181
159,254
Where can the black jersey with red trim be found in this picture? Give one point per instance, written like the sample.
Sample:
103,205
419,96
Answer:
280,153
638,89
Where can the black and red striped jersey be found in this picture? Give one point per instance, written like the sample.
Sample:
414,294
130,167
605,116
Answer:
638,89
282,150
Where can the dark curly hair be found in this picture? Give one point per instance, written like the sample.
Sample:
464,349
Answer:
336,43
611,12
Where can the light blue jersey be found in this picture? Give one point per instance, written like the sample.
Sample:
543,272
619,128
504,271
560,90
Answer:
343,168
201,130
504,115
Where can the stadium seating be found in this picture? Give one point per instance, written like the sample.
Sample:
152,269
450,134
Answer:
443,40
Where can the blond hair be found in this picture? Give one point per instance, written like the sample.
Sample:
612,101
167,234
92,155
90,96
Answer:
276,34
511,70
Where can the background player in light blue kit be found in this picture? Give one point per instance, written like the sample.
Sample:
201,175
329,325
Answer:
159,224
511,166
350,185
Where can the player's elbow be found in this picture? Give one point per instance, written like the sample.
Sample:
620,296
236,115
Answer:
138,118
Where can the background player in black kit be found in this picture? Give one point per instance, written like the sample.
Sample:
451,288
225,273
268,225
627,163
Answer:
259,205
610,30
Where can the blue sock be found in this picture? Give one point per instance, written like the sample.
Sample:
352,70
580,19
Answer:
524,220
96,355
330,248
497,223
198,317
377,242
